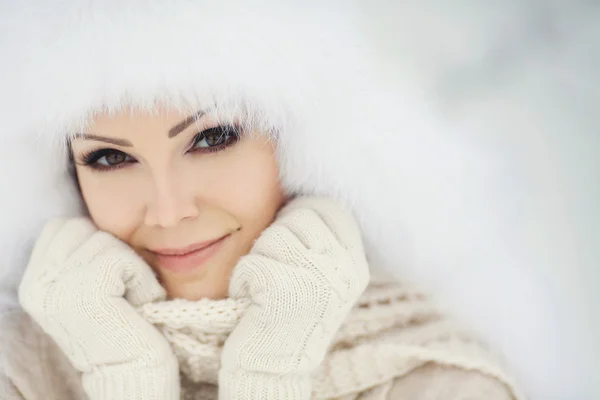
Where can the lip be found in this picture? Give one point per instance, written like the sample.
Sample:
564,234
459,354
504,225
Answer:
188,258
186,250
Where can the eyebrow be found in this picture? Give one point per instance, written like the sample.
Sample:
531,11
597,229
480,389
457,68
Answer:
180,127
174,131
115,141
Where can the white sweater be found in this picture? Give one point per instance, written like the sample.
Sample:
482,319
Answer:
394,345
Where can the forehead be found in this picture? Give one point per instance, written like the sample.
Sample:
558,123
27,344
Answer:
127,121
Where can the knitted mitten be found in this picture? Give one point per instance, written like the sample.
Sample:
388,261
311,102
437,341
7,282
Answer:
304,275
80,286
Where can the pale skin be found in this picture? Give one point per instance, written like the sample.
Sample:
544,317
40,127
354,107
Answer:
160,188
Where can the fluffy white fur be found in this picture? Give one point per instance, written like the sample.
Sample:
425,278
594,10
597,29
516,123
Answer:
457,133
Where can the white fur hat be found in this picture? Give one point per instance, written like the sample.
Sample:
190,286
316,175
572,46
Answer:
417,127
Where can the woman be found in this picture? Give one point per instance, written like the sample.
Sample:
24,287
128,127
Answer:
184,147
197,197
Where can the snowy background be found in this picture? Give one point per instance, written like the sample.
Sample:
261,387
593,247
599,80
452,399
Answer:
522,79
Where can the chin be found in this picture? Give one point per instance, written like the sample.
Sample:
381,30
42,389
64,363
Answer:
201,285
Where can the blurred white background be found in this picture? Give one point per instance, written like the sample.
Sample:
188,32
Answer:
522,80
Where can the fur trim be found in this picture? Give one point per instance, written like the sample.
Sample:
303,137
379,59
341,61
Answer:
422,139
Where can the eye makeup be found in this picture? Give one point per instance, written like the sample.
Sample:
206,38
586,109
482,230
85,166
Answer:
210,140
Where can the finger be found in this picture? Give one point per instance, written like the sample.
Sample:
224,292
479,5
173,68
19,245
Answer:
261,278
338,218
339,226
141,284
117,270
45,238
277,242
58,241
309,228
74,233
245,272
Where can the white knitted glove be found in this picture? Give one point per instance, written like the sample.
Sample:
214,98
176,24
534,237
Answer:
304,275
80,286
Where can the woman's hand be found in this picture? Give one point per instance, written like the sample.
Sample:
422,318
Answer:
80,286
304,275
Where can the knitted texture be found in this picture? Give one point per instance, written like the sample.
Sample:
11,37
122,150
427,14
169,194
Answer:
79,286
394,329
295,325
304,274
393,345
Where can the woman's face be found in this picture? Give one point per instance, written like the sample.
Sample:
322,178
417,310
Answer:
190,196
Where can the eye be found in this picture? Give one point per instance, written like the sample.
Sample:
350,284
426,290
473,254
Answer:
216,138
112,159
106,159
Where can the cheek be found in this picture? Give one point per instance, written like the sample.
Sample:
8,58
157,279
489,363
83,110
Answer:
109,208
247,185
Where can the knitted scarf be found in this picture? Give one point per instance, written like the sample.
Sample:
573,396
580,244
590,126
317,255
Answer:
392,330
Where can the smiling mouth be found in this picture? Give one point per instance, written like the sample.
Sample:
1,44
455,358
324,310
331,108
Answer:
182,251
186,259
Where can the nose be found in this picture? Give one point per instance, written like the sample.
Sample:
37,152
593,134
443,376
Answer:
171,202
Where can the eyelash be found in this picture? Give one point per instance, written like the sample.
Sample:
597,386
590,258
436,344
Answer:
231,133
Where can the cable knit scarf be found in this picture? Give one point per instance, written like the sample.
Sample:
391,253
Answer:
392,330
